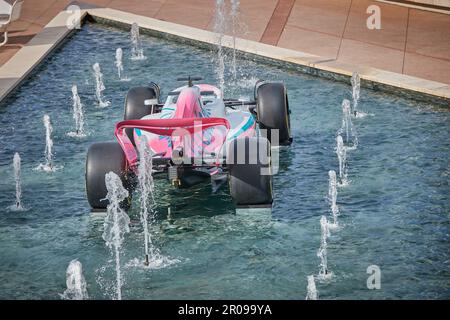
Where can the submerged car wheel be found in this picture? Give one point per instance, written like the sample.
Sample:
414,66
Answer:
250,172
103,157
135,106
273,111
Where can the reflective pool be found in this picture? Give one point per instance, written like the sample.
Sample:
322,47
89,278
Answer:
394,212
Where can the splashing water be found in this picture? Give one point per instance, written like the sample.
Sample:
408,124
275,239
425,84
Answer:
76,284
246,83
99,86
155,262
356,88
116,223
119,65
146,187
311,288
153,257
332,197
48,166
78,114
220,28
169,215
17,164
341,152
324,273
48,142
347,126
137,52
346,119
234,22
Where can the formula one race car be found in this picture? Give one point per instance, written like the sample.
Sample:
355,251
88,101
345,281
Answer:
196,135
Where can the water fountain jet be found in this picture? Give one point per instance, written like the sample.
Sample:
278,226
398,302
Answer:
347,126
76,284
346,119
146,187
169,215
234,21
137,52
119,65
332,197
99,86
324,273
341,152
220,29
77,114
16,162
18,206
48,166
116,223
311,289
356,88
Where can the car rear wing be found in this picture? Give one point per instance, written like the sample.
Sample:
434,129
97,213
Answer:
164,127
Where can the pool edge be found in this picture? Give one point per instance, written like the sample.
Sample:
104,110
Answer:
15,71
24,62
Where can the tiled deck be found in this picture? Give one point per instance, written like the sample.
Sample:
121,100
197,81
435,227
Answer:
411,41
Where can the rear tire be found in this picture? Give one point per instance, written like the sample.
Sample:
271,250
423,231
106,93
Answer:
250,176
103,157
273,111
135,107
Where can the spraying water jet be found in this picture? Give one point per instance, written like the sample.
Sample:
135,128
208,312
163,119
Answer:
119,65
146,187
324,273
332,196
311,289
152,256
347,127
76,284
116,223
99,86
18,206
220,29
77,114
356,88
234,21
16,162
342,157
137,52
48,166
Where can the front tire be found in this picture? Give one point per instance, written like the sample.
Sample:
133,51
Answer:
135,107
103,157
273,111
250,174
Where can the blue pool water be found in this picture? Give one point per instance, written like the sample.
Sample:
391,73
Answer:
394,213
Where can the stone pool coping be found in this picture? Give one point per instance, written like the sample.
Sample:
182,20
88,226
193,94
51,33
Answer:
18,68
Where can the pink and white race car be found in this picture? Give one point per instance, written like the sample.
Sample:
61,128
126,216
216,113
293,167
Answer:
196,135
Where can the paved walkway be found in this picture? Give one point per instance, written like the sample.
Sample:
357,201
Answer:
411,41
